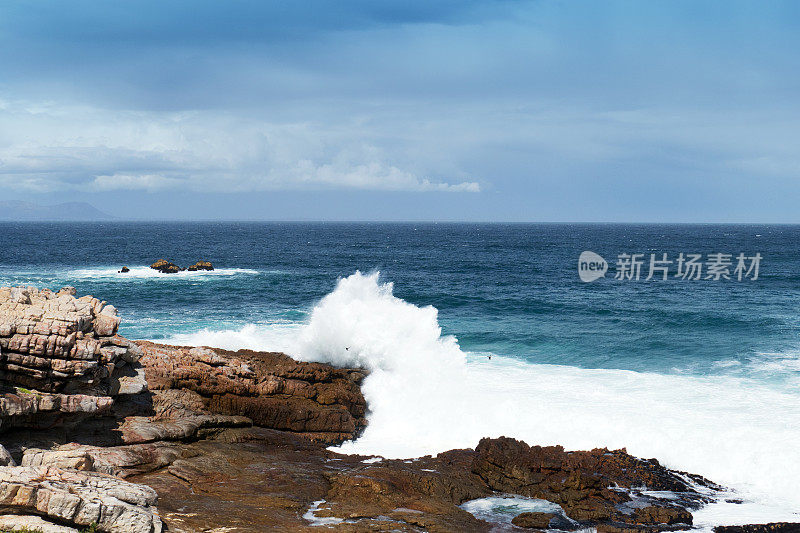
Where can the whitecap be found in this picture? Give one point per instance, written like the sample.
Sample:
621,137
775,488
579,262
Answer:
139,273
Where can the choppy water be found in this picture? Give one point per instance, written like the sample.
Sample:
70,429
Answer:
704,375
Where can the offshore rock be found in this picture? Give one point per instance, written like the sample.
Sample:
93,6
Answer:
165,267
314,400
201,265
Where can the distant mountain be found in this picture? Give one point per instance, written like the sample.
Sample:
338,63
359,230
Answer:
71,211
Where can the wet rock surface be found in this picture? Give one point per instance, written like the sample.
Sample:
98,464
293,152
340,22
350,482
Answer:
591,486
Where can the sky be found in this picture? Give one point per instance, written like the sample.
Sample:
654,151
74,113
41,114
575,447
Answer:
612,111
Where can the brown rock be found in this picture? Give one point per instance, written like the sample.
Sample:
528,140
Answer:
201,265
312,399
165,267
661,515
578,481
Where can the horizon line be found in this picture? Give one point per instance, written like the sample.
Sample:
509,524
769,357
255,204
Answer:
399,221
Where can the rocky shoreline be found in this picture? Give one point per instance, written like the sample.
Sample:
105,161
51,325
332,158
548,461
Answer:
98,431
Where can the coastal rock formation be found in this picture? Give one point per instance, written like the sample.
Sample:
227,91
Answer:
79,498
165,267
581,482
29,523
168,267
315,400
201,265
101,425
57,343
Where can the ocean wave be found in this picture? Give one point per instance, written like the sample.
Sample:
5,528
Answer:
774,367
138,273
426,395
278,337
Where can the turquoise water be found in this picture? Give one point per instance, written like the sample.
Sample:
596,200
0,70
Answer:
704,375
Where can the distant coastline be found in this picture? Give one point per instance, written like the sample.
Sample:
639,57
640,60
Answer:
19,211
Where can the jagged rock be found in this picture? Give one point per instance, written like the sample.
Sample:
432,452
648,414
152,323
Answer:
257,480
79,499
54,342
661,515
578,481
201,265
165,267
61,360
39,410
317,400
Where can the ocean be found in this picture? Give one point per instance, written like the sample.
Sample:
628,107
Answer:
474,330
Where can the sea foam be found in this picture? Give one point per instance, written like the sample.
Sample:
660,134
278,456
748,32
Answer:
426,395
112,273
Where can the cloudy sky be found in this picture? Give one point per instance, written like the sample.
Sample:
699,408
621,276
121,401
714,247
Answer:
402,110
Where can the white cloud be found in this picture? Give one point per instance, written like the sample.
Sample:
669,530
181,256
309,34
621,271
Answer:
148,182
45,148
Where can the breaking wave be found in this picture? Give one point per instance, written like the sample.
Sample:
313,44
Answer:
426,395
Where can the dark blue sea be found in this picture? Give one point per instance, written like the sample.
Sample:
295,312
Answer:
475,330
